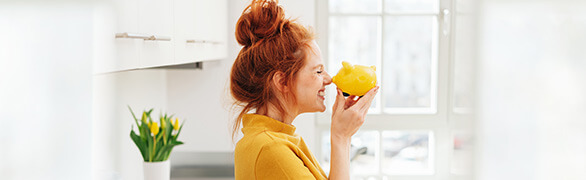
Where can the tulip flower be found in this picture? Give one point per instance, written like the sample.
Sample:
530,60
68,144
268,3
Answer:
144,117
176,124
154,128
163,123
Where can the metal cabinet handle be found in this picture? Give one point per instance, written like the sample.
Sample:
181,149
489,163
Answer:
131,36
142,36
202,41
158,38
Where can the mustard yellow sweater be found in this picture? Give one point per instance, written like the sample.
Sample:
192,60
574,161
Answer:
271,149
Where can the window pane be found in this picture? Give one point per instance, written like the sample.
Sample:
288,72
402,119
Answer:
411,5
354,6
364,153
462,154
356,40
353,39
408,56
407,152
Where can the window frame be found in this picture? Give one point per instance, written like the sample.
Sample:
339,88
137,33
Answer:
378,119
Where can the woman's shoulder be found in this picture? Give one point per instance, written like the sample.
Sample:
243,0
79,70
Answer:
263,138
251,146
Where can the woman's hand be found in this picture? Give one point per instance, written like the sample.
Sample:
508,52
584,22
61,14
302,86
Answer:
347,117
348,114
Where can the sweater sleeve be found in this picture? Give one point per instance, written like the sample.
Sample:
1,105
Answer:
277,161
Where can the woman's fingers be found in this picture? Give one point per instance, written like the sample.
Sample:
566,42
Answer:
350,101
339,103
364,103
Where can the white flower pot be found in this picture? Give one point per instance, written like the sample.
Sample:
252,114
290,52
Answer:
157,170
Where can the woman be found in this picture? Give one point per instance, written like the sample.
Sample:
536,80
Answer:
278,75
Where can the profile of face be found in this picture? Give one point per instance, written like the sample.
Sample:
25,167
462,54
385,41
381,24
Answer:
311,81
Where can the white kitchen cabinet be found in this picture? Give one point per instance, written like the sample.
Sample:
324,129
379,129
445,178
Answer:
111,53
156,20
127,49
200,30
136,34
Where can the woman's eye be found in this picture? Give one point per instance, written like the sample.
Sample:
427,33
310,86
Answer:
319,72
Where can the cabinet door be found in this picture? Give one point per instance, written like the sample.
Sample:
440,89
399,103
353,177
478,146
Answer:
214,26
112,53
156,19
127,22
200,30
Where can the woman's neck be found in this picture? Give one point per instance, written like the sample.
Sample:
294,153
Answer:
271,111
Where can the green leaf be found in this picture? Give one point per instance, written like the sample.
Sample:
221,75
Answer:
162,151
150,149
168,131
177,143
132,112
149,115
159,136
166,155
140,144
179,131
145,132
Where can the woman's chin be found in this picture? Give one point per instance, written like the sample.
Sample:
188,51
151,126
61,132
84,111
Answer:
322,108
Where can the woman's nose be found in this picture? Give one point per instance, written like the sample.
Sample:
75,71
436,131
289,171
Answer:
327,79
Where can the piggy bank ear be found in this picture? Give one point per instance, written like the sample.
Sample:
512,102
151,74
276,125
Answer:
347,65
373,68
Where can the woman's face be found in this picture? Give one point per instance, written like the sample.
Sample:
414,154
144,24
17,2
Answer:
311,82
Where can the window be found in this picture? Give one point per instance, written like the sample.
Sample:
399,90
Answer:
408,132
400,39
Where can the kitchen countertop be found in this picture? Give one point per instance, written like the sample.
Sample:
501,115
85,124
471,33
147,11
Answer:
202,166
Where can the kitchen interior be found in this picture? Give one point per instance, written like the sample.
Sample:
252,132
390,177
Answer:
503,86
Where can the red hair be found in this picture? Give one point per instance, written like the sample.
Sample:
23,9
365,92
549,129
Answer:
271,43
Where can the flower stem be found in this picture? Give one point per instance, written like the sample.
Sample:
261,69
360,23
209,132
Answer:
154,148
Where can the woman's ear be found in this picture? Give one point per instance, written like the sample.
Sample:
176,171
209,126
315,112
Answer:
278,81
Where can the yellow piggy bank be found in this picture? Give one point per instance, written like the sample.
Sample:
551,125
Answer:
355,80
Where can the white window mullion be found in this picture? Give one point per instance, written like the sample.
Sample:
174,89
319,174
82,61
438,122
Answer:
380,73
381,95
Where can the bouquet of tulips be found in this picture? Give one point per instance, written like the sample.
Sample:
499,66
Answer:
155,142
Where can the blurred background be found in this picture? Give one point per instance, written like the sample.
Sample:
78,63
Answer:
470,89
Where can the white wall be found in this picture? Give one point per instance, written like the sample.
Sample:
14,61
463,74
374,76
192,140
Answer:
45,91
199,98
532,83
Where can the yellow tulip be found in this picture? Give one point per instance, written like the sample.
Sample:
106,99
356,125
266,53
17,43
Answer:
144,117
176,124
163,123
154,128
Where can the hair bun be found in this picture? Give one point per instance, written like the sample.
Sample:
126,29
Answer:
261,19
